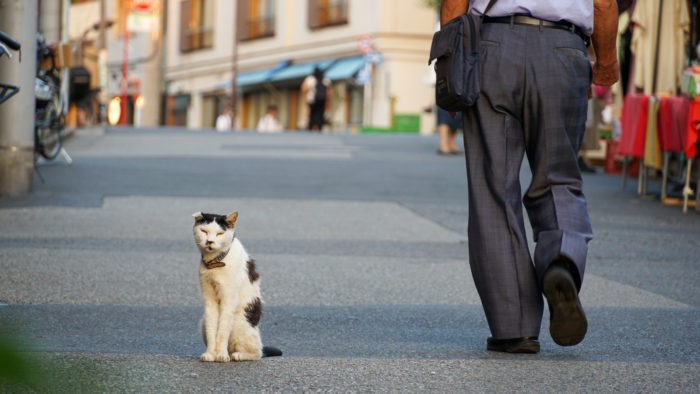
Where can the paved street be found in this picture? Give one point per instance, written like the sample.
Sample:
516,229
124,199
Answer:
362,249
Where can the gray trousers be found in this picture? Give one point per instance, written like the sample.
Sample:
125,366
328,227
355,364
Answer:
533,101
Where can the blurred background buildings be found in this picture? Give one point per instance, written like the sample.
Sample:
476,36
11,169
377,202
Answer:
183,60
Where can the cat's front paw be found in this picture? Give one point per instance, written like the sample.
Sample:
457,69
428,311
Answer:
222,358
208,357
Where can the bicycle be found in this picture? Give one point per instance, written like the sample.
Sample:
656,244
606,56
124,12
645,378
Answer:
49,118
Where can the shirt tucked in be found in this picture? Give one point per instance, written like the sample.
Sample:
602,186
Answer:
578,12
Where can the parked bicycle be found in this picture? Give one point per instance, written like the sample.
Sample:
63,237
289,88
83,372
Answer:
49,119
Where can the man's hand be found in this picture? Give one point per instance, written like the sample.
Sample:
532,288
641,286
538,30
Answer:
606,75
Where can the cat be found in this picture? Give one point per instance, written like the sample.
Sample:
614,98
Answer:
231,292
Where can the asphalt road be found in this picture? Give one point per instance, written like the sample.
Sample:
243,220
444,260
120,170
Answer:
361,246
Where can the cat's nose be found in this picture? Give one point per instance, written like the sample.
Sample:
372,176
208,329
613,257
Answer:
209,242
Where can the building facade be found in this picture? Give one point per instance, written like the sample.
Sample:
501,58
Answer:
375,53
123,55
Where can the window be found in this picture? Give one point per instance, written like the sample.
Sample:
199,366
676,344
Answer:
323,13
256,19
196,25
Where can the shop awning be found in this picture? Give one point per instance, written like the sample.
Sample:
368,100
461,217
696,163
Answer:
345,68
299,71
252,78
257,77
284,72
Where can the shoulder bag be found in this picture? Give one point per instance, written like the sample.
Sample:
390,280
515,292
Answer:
456,48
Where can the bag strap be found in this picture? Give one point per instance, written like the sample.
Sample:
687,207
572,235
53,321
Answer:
488,7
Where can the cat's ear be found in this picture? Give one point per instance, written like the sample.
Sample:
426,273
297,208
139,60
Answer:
197,216
231,219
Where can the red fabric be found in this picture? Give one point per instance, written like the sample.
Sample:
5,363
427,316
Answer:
693,120
673,123
635,112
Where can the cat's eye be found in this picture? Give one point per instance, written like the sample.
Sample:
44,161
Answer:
219,233
204,231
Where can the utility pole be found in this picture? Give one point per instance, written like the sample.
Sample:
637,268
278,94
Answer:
125,64
102,40
18,18
234,68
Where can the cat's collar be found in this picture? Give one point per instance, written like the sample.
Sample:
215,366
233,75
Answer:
216,261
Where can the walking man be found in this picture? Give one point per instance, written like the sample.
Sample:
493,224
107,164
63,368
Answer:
535,80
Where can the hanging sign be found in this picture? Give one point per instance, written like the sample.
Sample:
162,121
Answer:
363,76
374,57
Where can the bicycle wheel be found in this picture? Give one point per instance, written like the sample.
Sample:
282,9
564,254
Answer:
49,133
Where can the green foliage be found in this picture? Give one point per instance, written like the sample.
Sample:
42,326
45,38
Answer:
15,370
434,4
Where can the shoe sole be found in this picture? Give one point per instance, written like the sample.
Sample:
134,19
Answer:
527,348
567,324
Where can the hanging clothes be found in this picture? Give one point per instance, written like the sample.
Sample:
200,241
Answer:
635,112
671,38
652,150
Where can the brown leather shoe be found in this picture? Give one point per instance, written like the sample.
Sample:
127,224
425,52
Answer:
515,345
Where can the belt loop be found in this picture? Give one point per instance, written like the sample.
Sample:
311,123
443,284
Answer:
512,21
541,23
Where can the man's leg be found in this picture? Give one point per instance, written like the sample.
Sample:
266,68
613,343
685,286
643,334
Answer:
494,143
555,126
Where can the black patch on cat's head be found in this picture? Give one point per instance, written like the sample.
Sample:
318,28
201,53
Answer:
253,312
252,274
207,218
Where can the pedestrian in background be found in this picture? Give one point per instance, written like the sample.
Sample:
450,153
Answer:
269,123
316,90
447,130
223,121
534,94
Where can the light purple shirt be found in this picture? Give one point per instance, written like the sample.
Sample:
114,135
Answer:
578,12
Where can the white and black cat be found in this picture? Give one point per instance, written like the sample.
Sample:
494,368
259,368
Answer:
231,292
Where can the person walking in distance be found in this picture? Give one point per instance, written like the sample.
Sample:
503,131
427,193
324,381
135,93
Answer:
533,101
448,128
316,91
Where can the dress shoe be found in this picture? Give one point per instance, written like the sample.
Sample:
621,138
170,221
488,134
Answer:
515,345
567,321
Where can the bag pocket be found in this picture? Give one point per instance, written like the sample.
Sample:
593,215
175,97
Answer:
456,48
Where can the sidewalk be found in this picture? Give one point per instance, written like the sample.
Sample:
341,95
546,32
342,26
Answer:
361,246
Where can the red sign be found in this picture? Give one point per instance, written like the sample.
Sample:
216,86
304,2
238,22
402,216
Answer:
142,5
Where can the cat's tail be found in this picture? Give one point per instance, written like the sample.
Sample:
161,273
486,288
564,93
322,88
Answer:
271,351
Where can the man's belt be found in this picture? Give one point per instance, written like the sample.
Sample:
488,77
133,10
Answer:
531,21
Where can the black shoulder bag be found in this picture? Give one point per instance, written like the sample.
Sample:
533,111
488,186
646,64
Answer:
456,48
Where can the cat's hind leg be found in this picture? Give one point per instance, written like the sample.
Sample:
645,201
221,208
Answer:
244,343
